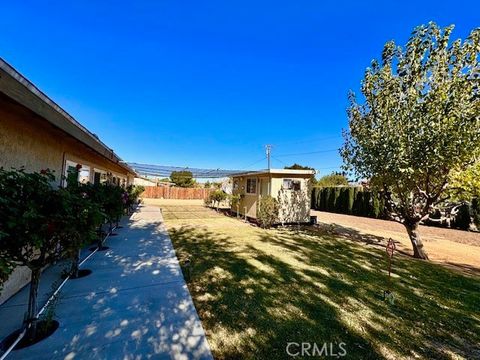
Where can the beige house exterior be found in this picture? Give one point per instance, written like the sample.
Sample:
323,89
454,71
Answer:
292,189
36,134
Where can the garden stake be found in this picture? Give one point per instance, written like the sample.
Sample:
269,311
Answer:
390,249
187,268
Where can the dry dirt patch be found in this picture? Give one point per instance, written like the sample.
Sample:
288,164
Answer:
456,248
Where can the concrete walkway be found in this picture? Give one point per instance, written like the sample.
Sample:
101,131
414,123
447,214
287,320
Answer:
135,304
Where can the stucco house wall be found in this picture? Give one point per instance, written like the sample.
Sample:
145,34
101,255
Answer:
28,140
36,134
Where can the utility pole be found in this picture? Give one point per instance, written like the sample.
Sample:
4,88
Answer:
268,149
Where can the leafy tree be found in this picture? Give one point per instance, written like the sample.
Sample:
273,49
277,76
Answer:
296,166
207,185
113,204
235,203
334,179
465,183
78,221
182,178
217,196
29,234
133,194
418,122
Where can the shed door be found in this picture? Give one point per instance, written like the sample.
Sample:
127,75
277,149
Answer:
264,187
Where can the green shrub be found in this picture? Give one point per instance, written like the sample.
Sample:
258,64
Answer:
313,200
235,202
207,201
77,223
475,207
29,233
358,203
462,218
339,200
331,200
217,196
351,199
133,193
267,211
348,200
373,205
113,205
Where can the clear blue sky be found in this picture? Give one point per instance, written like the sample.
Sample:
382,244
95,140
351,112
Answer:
208,83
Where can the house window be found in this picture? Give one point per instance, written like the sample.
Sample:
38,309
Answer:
290,184
84,174
99,177
96,178
251,186
72,174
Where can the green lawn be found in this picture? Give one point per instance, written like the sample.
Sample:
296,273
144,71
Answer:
256,290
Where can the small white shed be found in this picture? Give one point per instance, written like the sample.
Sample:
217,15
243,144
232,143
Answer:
292,189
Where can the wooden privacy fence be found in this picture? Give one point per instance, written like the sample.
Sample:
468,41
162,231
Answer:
165,192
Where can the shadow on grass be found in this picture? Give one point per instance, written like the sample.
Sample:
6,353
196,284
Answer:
380,242
319,288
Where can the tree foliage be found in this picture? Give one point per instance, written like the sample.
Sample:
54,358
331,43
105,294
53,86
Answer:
40,223
334,179
182,178
419,121
216,197
267,211
465,184
29,228
296,166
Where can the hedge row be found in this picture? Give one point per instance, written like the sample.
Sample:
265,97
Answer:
348,200
356,201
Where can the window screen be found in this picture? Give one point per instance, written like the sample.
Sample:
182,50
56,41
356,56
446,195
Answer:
290,184
251,186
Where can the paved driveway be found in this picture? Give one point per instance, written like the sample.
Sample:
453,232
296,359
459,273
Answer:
134,305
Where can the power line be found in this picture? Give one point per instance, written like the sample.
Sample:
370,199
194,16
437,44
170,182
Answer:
308,141
254,163
308,153
284,163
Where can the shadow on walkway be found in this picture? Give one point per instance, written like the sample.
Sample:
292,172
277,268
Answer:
134,305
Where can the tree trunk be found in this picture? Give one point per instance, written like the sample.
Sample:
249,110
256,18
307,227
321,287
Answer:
32,303
100,238
75,262
418,250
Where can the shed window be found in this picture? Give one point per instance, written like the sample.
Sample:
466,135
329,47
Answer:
290,184
251,186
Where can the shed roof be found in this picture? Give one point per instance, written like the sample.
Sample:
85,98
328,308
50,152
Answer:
306,173
16,86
